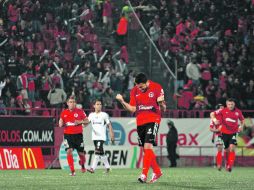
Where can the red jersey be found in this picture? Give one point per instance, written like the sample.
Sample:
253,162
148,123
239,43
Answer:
229,120
218,117
69,117
147,108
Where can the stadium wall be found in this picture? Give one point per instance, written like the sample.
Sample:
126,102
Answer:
194,144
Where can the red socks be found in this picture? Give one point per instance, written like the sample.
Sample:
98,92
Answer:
155,166
226,157
82,160
231,159
150,160
219,158
70,162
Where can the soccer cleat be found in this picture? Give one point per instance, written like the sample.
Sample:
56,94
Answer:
107,170
155,177
219,168
83,170
90,170
72,173
142,178
229,168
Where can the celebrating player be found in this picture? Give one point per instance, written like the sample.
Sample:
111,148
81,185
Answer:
217,136
229,129
147,100
100,121
72,119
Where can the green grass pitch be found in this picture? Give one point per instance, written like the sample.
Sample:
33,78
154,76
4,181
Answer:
121,179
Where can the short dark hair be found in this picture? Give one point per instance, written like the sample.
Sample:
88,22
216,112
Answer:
140,78
218,106
71,98
230,100
97,100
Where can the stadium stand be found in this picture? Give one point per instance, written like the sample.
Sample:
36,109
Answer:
46,44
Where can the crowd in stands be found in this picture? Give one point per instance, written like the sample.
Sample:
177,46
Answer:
49,50
212,42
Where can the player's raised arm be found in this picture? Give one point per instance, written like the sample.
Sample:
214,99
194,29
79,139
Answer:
126,105
162,103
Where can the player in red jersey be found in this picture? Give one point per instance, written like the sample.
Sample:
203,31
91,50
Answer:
217,136
229,118
147,100
72,119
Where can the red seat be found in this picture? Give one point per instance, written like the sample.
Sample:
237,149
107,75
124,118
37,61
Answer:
45,113
38,104
29,46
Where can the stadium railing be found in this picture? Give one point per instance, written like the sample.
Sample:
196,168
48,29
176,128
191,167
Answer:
116,112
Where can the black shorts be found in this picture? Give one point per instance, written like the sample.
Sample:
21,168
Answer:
147,133
99,147
74,141
229,139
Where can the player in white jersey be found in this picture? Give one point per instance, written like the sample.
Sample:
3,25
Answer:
100,121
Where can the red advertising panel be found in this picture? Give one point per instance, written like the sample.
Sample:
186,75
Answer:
21,158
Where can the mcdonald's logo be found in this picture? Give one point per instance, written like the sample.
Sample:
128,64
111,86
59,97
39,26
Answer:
28,157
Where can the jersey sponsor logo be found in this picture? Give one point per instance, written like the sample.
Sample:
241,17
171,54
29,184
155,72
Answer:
236,113
230,120
76,115
137,95
151,94
97,123
142,107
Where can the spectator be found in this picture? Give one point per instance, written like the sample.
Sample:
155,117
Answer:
57,96
108,98
155,31
107,16
172,139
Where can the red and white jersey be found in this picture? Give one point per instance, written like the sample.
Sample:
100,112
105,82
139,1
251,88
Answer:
213,126
147,108
229,120
218,117
69,117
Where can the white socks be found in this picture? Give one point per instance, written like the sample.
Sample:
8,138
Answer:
103,158
95,161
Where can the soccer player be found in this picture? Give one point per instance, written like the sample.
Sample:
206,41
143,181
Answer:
147,100
100,121
229,118
217,136
72,119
